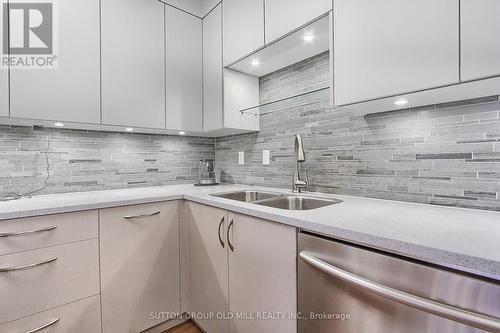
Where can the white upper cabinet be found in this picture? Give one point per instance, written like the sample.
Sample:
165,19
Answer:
184,70
225,92
191,6
241,92
243,23
480,36
389,47
71,91
4,93
212,70
283,16
133,63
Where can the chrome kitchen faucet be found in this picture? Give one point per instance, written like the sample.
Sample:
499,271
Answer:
298,184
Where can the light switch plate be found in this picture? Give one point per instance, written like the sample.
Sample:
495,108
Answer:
241,158
266,155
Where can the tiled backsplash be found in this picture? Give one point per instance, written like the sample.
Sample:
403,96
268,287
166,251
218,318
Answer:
442,154
88,160
445,154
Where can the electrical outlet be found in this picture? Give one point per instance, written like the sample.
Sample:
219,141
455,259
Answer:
266,156
241,158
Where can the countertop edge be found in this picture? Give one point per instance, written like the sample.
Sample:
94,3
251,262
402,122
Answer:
462,262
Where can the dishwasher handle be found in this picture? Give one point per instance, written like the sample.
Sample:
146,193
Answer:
439,309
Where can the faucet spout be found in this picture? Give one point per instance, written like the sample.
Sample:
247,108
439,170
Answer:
297,183
300,156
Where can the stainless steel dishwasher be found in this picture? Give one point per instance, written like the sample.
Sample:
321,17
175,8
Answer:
349,289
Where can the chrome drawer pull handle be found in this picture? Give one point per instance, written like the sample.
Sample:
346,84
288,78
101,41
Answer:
50,323
220,238
469,318
18,268
28,232
128,217
231,247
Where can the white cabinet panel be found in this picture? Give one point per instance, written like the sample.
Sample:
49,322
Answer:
241,91
208,265
212,70
70,92
72,276
262,274
139,265
133,63
83,316
4,93
243,26
191,6
388,47
480,36
184,70
283,16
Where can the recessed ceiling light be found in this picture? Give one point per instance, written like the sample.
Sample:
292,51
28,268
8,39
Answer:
401,102
308,37
58,124
182,133
129,129
255,62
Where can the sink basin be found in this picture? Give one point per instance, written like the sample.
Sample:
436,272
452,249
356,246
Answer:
298,203
247,196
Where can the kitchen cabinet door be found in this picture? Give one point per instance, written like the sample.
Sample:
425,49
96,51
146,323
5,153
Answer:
133,63
212,70
243,26
208,265
184,70
480,33
385,48
283,16
262,274
4,92
139,265
71,91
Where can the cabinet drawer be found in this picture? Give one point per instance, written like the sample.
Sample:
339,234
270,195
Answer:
78,317
45,283
35,232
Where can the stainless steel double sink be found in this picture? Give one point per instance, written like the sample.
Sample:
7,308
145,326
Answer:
277,200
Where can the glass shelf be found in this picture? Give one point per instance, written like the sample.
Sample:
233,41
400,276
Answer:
319,97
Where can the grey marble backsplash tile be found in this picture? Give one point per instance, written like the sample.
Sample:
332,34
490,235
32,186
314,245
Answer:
89,160
446,154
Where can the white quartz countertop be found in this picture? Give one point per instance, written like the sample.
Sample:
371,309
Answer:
463,239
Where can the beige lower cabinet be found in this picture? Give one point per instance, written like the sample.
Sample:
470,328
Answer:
31,233
262,276
244,264
139,265
82,316
42,279
208,280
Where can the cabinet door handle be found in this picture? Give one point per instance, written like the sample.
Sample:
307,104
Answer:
128,217
50,323
18,268
427,305
27,232
228,239
220,238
